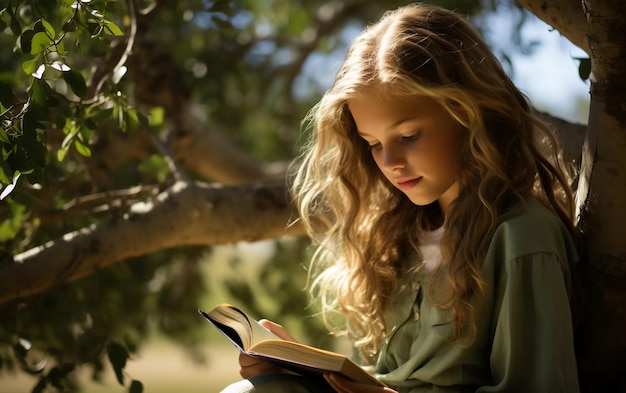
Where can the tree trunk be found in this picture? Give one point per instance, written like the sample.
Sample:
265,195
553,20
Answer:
601,194
597,26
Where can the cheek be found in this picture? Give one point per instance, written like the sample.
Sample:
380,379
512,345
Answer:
375,158
374,162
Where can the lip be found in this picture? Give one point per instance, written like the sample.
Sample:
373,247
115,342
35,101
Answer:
405,185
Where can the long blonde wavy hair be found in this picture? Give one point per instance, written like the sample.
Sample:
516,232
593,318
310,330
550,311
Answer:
364,226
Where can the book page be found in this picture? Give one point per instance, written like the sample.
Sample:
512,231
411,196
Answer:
241,329
259,333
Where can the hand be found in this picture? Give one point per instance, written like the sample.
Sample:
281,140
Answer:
249,366
344,385
277,330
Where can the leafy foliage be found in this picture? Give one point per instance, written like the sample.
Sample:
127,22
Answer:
50,83
91,95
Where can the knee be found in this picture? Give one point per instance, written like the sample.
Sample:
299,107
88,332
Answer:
243,386
275,383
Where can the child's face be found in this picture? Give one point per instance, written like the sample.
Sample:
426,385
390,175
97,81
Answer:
415,143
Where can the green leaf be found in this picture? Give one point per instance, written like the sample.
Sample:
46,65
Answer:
49,29
135,387
95,29
584,68
30,66
111,28
3,136
157,166
133,118
26,40
118,113
70,129
41,93
10,226
34,118
43,26
117,356
5,171
81,148
15,25
40,42
76,82
156,116
102,114
61,153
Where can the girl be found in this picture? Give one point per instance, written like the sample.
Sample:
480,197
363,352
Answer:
445,230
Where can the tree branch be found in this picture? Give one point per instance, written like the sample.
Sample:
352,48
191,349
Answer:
185,214
214,158
566,16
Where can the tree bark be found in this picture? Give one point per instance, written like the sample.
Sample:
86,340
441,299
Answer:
566,16
195,148
210,156
185,214
601,193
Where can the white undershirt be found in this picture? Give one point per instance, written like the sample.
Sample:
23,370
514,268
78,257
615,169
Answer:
430,249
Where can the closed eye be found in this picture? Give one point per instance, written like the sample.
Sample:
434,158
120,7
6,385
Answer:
375,146
412,137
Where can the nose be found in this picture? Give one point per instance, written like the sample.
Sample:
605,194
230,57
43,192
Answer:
393,158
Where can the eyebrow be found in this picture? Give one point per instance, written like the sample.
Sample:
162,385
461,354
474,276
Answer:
394,125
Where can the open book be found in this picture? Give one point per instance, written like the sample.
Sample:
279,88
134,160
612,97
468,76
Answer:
253,339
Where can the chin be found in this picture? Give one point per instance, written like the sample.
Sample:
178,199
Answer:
422,201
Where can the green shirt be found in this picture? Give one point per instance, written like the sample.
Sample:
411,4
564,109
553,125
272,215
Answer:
524,339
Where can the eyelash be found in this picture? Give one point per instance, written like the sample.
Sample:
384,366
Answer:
375,146
413,136
409,138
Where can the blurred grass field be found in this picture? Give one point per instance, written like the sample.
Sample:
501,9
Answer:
161,367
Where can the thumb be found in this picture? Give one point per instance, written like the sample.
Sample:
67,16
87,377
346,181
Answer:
277,330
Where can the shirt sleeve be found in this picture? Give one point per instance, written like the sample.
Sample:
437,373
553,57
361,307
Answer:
533,339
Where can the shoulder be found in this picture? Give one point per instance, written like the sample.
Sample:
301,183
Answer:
531,228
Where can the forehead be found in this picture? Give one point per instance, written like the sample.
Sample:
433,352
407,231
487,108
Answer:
375,109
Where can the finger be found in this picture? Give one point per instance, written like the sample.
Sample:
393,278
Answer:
277,330
250,367
333,384
246,361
